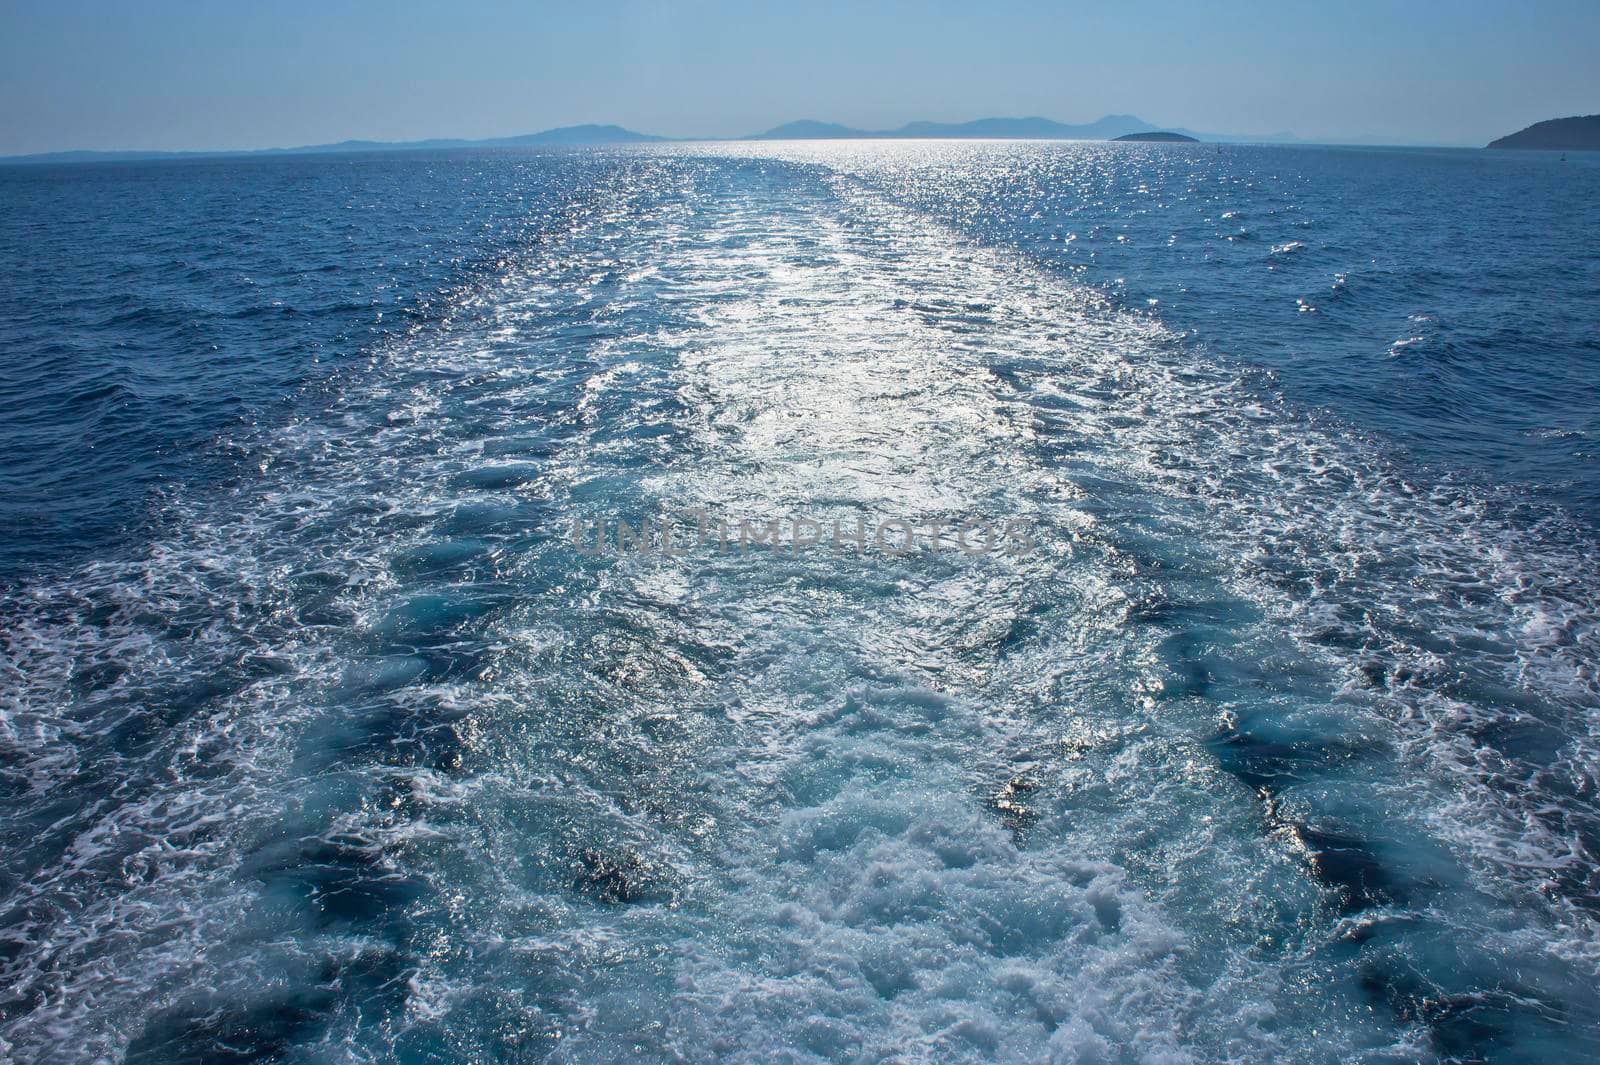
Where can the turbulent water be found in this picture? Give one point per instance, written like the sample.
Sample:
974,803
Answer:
354,708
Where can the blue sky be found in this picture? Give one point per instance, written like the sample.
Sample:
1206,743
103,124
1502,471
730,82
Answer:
173,75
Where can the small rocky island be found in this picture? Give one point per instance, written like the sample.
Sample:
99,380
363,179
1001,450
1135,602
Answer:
1581,133
1160,137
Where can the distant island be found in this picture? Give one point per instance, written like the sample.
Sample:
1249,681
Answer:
1111,127
1159,136
1580,133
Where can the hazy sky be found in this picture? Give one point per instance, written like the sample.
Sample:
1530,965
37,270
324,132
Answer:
165,74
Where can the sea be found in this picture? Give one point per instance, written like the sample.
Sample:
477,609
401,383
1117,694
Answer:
802,602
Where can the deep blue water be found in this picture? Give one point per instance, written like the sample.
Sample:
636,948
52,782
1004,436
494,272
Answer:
322,740
153,314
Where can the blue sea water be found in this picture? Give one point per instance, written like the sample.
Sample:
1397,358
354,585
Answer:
322,739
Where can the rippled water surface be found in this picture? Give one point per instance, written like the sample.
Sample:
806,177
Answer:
322,739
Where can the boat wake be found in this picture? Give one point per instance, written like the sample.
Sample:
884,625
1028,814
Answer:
1261,750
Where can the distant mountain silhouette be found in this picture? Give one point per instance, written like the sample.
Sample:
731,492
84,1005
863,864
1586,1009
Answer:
1581,133
807,129
1160,136
1025,128
564,136
579,135
996,128
1111,127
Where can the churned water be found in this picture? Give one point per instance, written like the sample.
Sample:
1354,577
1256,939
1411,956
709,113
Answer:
1129,603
